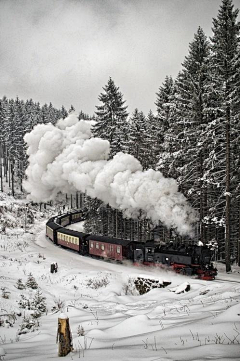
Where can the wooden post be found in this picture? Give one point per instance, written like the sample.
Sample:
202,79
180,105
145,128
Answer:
64,337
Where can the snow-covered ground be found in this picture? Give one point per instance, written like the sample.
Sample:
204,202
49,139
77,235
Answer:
99,297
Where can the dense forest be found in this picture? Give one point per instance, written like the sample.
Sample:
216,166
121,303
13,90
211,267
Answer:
193,135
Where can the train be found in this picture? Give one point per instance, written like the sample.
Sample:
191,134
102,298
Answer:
186,259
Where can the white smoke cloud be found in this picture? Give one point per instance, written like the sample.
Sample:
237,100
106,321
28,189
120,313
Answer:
64,158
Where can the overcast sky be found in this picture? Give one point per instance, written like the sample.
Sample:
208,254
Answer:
64,51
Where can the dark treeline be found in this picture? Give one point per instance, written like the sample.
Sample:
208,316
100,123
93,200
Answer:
194,137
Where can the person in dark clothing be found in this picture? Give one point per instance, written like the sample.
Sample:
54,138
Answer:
52,268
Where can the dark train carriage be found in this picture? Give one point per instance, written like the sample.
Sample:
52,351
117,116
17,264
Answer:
51,229
77,216
73,240
64,220
110,248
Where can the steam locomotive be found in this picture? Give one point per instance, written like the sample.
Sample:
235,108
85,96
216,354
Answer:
184,259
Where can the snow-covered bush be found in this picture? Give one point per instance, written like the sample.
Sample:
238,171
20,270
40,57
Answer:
59,305
80,331
24,302
5,293
28,324
129,288
31,282
96,283
20,284
39,304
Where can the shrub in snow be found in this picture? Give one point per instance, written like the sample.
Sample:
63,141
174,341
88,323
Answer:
31,282
20,284
2,353
28,325
24,302
39,303
96,283
59,305
129,288
80,331
144,285
8,319
5,294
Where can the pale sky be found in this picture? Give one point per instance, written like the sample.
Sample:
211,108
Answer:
64,51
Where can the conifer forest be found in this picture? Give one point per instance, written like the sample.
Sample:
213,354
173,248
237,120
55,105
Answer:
192,134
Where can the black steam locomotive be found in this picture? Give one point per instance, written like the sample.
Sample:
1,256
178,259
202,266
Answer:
184,259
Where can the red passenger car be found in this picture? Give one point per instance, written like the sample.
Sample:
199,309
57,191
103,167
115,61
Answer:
71,239
109,248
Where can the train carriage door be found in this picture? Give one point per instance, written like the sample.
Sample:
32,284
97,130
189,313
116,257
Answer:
111,251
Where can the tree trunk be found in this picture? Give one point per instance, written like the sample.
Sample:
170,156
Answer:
64,337
77,200
227,193
12,176
1,175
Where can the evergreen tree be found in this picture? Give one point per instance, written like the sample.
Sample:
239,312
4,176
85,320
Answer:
225,76
31,282
191,124
183,122
164,104
139,138
71,110
111,118
39,303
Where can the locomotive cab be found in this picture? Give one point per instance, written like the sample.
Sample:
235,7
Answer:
149,254
138,256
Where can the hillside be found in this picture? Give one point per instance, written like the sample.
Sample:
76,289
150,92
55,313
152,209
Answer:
102,303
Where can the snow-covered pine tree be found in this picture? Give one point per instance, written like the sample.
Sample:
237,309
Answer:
20,284
31,282
165,127
225,47
153,140
39,303
4,120
191,123
111,125
164,104
183,125
138,138
111,118
63,113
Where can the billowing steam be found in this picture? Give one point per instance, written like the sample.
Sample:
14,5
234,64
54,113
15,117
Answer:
64,158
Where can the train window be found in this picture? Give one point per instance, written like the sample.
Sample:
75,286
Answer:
102,247
97,245
91,244
118,249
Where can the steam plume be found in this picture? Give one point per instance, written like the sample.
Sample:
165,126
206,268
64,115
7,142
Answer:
64,158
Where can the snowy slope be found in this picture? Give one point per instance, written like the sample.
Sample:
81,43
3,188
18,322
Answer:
119,324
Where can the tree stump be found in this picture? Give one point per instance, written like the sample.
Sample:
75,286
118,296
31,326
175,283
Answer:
64,337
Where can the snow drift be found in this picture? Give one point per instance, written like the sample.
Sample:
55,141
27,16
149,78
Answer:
65,158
